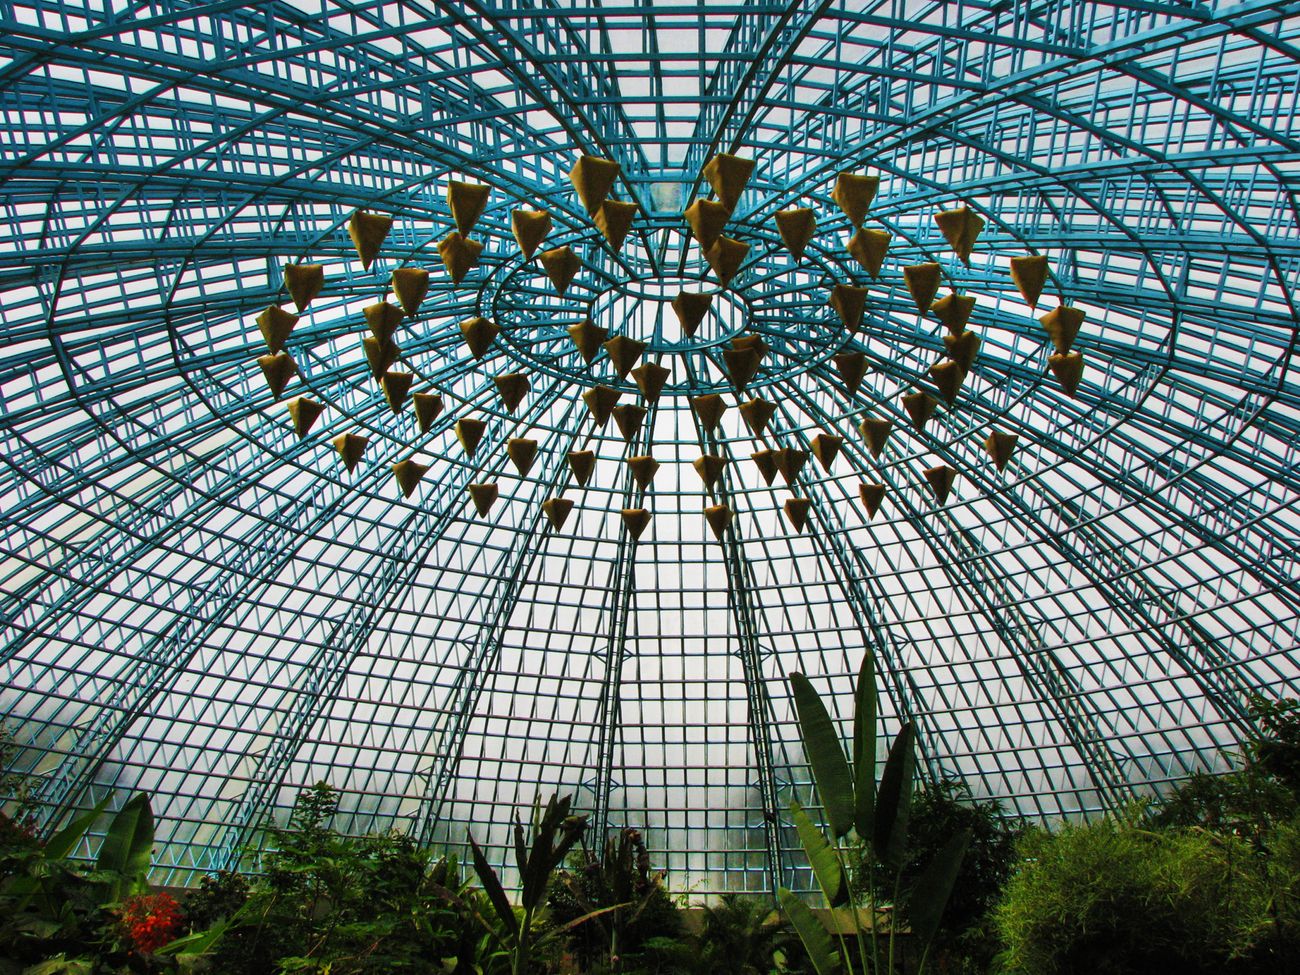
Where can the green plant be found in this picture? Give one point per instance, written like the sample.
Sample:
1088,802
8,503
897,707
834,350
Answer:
879,817
617,938
554,833
1113,898
940,810
745,936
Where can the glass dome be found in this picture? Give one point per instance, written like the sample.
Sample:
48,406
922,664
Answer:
201,603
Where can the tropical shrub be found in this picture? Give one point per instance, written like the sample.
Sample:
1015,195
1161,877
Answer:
877,817
640,912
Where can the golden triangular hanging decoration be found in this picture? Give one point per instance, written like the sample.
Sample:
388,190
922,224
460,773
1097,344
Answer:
796,228
304,282
368,231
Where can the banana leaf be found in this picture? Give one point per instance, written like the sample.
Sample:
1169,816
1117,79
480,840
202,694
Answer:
864,748
930,895
65,840
825,865
128,845
825,754
816,940
894,800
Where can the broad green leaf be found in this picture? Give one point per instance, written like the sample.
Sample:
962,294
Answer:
821,743
65,840
816,940
492,887
864,747
933,888
894,800
128,845
825,865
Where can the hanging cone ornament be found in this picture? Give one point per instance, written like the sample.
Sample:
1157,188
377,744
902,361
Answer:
522,453
871,495
643,469
853,194
304,412
588,337
797,228
380,356
941,479
954,311
826,447
614,220
757,413
948,376
396,386
728,175
368,231
459,255
920,407
962,348
849,302
1062,325
350,447
1000,447
960,227
719,517
428,406
796,510
742,367
691,307
582,463
765,461
513,387
382,319
709,467
754,342
706,218
278,370
593,177
790,461
709,408
561,266
628,418
725,257
650,379
636,520
600,402
557,511
275,325
478,334
408,474
304,282
852,367
876,432
923,282
1067,367
484,497
1029,275
530,228
623,353
410,284
467,201
868,247
469,432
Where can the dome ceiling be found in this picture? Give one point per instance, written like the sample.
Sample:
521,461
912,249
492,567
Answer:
208,597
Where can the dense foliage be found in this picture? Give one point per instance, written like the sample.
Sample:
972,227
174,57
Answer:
1209,881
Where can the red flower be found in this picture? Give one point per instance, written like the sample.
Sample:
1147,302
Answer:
150,921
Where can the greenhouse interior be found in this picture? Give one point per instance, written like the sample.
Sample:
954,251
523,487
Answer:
745,486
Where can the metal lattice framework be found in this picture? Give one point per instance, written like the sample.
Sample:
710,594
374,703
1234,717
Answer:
198,603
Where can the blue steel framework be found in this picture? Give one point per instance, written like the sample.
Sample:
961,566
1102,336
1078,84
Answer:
197,603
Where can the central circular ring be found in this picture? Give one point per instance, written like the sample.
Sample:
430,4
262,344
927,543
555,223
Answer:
642,309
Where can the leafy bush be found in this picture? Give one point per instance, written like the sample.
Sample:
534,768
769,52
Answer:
1108,898
637,908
